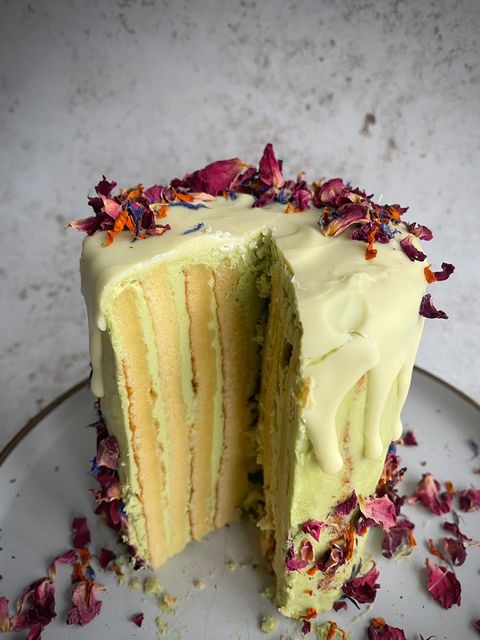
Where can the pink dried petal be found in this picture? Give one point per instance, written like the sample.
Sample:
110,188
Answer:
158,230
339,604
411,250
397,535
216,177
381,510
349,214
69,557
380,630
269,168
203,197
111,207
410,439
346,507
4,616
455,550
301,198
336,559
292,563
364,588
428,310
445,273
306,627
138,619
306,550
80,533
313,528
443,585
469,499
40,596
108,453
85,605
454,528
427,492
476,624
329,193
420,231
87,225
35,632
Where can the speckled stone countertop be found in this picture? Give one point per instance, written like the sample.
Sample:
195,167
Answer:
385,94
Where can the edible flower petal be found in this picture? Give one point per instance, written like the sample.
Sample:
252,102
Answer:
443,585
85,604
108,453
292,563
399,534
215,178
428,493
428,310
438,276
420,231
348,214
380,630
364,588
87,225
306,627
69,557
411,250
410,439
35,632
269,168
454,528
105,188
330,192
306,550
339,605
313,528
455,550
469,499
158,230
106,556
111,207
80,533
138,619
4,618
381,510
346,507
40,596
197,227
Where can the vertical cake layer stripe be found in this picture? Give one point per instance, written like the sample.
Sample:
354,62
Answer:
142,424
236,367
174,426
198,292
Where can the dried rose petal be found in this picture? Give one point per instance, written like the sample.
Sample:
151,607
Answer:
105,557
428,310
380,630
269,168
69,557
4,618
292,563
339,605
443,585
455,549
111,207
306,550
410,439
398,535
476,624
215,178
364,588
40,596
427,492
80,533
469,499
454,528
346,507
313,528
411,250
138,619
420,231
438,276
105,188
306,627
108,453
35,632
85,605
381,510
87,225
349,214
329,192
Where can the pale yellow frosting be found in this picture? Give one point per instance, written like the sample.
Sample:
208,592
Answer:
342,302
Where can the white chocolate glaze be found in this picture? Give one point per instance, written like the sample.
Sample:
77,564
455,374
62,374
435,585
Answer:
358,317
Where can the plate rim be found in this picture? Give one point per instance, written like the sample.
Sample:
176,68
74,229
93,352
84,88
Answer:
49,408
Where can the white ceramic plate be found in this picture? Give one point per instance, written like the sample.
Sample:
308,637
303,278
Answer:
44,483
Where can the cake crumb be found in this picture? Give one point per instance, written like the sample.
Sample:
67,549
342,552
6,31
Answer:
199,584
167,602
152,585
269,625
121,580
162,626
232,566
268,592
135,584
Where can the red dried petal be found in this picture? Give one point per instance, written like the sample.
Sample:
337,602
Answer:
292,563
306,550
105,188
40,596
398,535
346,507
108,453
427,492
381,510
306,627
443,585
269,168
411,250
313,528
4,616
420,231
216,177
69,557
105,557
35,632
469,499
330,193
80,533
348,214
455,549
380,630
138,619
410,439
364,588
454,528
428,310
85,605
339,604
88,225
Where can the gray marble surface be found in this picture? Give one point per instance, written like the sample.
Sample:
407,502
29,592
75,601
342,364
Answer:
385,93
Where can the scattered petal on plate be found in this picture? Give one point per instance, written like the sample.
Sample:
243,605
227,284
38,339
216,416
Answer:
443,585
364,588
380,630
469,499
428,493
80,533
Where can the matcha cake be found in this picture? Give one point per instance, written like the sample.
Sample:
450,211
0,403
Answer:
252,341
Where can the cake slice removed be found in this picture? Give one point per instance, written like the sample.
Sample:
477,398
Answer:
246,361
